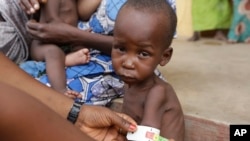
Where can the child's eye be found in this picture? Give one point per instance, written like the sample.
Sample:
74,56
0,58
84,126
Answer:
119,48
144,54
122,49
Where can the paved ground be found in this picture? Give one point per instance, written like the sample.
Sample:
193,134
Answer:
212,79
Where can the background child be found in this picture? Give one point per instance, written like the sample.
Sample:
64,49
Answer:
54,56
140,45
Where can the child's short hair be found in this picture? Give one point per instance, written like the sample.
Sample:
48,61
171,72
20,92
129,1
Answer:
158,6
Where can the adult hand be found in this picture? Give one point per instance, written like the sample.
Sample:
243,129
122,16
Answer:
31,6
55,32
103,124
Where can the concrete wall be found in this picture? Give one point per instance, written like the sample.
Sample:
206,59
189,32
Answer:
184,25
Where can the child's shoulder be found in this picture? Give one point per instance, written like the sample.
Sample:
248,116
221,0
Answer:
162,85
162,89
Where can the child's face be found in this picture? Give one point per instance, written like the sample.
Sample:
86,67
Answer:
138,45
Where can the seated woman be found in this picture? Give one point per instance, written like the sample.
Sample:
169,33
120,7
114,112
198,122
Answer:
95,81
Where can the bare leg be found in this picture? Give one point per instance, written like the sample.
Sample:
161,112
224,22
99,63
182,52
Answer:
55,68
27,119
56,72
195,37
219,35
81,56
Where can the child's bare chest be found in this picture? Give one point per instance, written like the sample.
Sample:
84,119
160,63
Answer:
133,104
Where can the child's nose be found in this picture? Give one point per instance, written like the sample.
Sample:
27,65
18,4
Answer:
128,63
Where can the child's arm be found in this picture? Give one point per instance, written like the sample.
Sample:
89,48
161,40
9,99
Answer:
154,107
163,111
86,8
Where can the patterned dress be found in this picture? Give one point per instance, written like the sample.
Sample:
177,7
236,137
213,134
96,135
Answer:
240,29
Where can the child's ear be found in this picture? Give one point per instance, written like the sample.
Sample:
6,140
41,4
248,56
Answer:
166,56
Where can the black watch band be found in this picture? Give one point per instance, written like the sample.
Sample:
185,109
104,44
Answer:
73,113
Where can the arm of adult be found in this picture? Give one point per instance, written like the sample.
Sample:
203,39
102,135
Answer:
63,33
59,32
90,117
27,119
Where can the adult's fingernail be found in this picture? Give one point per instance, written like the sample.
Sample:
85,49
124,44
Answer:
36,6
132,127
32,10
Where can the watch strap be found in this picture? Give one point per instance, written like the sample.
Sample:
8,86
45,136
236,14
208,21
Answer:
74,112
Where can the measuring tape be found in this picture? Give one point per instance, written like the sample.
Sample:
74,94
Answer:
145,133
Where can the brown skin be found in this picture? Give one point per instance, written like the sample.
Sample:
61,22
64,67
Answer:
69,34
17,122
31,6
55,11
86,8
195,36
219,35
80,56
64,33
136,53
98,122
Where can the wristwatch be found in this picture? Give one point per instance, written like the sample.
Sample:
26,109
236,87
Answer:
74,112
